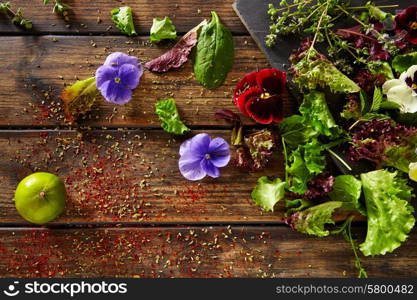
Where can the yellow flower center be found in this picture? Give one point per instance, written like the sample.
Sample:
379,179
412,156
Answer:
207,156
413,25
117,80
265,95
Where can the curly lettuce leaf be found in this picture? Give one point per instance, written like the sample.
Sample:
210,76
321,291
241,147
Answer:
168,113
303,163
79,98
267,193
123,19
314,70
401,63
390,215
348,189
317,114
400,156
162,29
313,220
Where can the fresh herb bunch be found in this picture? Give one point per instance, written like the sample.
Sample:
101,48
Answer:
318,17
17,16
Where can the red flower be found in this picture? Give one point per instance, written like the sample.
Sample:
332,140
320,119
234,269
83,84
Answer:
259,95
406,20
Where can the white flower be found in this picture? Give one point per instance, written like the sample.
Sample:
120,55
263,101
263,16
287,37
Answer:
412,173
403,90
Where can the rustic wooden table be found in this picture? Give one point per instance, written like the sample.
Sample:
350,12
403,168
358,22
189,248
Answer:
130,212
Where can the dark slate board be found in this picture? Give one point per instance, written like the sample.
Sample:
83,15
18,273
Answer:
253,14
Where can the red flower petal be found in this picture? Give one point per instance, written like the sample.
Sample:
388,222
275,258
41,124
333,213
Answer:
271,81
265,111
406,17
412,37
253,93
243,85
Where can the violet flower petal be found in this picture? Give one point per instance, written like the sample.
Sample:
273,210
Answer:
209,168
115,92
185,147
190,167
129,76
220,161
118,59
219,146
200,144
105,73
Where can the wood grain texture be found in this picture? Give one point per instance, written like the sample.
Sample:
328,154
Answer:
94,16
32,79
189,252
127,176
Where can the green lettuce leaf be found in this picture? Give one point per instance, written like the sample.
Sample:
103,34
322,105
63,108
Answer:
79,98
295,132
314,70
162,29
168,113
401,63
381,67
390,215
123,19
317,114
348,189
313,219
267,193
295,205
401,156
303,164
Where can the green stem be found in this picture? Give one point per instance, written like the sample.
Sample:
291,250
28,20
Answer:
318,28
362,273
292,5
340,159
350,15
354,124
365,7
284,147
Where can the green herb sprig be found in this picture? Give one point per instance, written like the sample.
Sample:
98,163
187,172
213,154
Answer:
17,16
317,18
59,8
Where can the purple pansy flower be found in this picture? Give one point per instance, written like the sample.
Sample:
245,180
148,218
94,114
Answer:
119,75
202,155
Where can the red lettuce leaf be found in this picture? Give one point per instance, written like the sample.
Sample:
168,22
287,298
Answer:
178,55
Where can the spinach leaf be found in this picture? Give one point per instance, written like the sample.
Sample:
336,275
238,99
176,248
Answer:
123,19
168,114
214,53
162,29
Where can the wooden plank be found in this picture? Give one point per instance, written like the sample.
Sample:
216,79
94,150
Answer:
94,16
189,252
31,82
127,176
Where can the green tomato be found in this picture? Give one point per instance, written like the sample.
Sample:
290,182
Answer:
40,197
